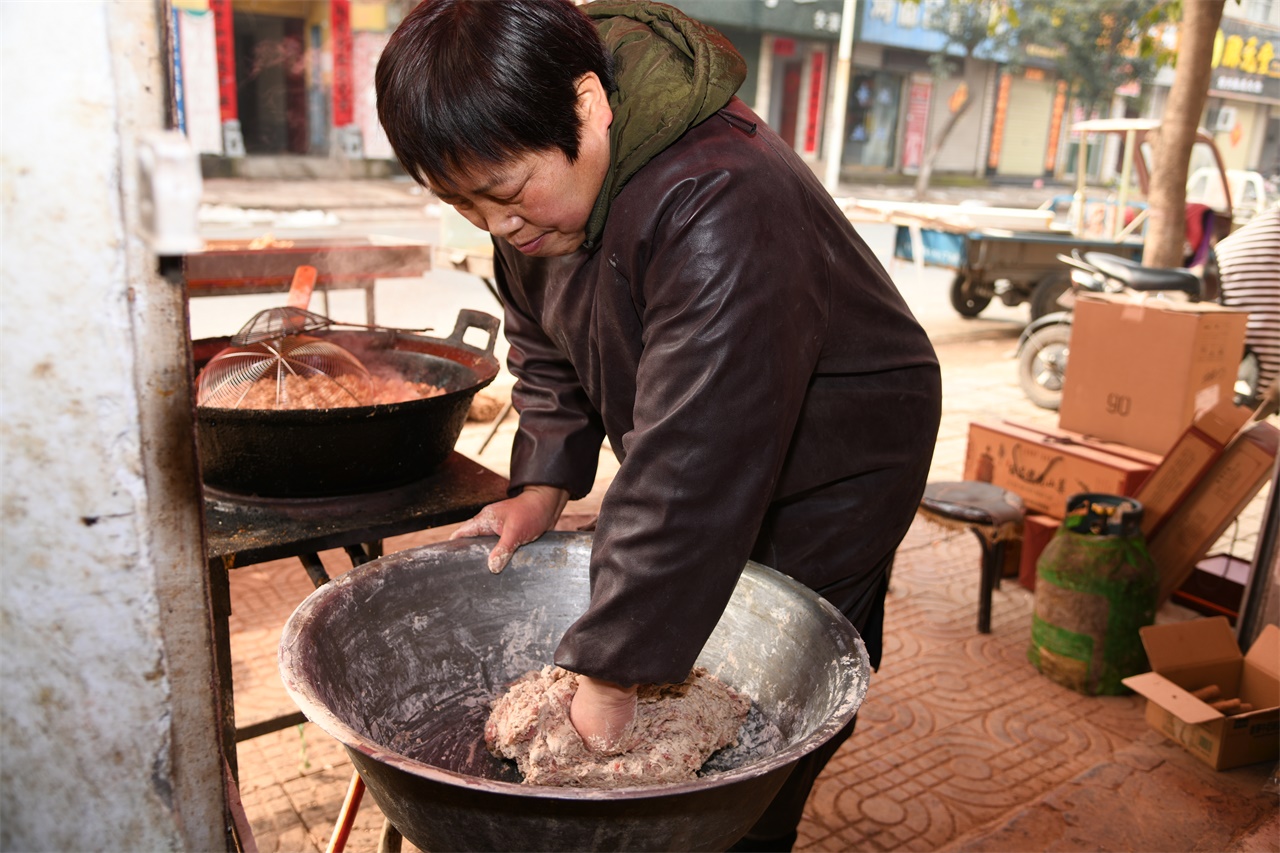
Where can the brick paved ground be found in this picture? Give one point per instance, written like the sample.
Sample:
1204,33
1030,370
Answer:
960,744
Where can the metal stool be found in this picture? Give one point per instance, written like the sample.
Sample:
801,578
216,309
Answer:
992,513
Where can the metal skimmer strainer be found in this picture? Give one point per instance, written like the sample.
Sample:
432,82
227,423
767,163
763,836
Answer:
272,364
275,323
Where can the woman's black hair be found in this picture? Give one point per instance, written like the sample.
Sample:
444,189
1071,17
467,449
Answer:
467,83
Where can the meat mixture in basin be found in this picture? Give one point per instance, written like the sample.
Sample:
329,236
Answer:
677,728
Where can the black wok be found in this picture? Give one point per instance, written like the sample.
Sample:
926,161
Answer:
351,450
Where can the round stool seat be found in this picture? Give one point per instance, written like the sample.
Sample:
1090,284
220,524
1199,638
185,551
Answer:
970,502
993,514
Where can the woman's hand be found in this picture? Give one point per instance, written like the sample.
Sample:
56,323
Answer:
516,521
603,713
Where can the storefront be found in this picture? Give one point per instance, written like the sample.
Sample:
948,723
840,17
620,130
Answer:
279,77
789,48
1243,107
1028,113
1243,110
896,103
260,78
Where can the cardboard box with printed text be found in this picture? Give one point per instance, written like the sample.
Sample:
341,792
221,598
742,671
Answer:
1187,462
1192,528
1046,467
1140,371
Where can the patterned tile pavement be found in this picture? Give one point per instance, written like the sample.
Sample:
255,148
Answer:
961,744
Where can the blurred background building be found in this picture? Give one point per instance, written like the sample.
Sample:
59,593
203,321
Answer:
284,88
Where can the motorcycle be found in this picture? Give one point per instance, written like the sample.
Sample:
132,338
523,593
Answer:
1045,344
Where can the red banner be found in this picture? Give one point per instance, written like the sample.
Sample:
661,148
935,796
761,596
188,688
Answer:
1055,127
913,142
817,76
343,83
224,37
997,126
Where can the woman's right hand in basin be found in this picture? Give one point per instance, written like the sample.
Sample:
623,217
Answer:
603,714
516,521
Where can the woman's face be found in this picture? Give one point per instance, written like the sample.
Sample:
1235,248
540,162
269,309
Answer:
540,202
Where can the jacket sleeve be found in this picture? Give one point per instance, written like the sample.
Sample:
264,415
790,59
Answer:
730,340
558,440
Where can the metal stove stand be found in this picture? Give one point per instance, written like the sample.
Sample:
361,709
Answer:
244,530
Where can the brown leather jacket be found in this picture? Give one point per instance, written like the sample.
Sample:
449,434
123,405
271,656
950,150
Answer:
733,337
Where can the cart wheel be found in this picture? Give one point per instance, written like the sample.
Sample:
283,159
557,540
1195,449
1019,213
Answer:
965,299
1045,295
1042,365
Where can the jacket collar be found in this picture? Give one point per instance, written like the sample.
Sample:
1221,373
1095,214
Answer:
672,73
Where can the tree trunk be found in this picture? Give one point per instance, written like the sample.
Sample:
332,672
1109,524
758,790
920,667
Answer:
935,145
1166,228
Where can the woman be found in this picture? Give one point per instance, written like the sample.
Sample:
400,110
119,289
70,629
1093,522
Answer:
675,279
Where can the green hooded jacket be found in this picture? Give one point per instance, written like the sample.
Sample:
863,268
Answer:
672,73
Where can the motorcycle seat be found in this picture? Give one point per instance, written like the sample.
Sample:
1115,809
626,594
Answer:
1137,277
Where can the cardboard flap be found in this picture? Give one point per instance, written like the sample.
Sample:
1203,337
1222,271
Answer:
1200,308
1083,441
1265,652
1134,304
1163,692
1222,420
1187,644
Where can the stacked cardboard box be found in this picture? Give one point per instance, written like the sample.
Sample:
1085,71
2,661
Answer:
1187,462
1189,498
1046,466
1159,376
1141,370
1187,533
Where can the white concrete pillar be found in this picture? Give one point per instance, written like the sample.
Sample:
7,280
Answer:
108,717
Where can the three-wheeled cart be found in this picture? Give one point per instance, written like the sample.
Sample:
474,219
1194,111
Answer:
1012,253
1016,266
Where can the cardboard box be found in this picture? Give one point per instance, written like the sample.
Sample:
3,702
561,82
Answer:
1216,586
1045,467
1141,370
1037,530
1188,656
1187,462
1204,515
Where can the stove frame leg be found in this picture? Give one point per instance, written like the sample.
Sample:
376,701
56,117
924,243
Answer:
347,816
390,840
315,569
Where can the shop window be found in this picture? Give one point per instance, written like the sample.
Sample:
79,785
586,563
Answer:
872,123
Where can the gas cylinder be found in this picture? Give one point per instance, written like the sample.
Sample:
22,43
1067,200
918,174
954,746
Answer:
1096,585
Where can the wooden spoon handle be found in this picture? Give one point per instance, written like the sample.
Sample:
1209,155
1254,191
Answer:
304,281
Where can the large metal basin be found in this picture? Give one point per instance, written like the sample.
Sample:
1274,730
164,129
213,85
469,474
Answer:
400,658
